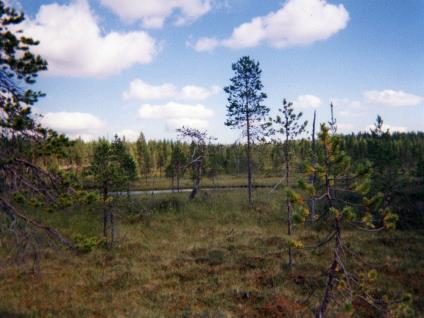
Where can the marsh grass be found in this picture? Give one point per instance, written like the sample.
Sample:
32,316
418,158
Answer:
213,257
159,183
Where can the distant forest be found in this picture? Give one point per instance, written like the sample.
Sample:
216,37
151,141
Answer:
397,158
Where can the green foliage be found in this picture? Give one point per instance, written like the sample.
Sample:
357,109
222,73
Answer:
293,196
86,244
112,166
19,198
88,197
65,200
367,220
35,202
407,298
372,275
18,66
374,202
307,187
296,244
348,307
390,220
349,214
300,215
344,187
177,162
245,95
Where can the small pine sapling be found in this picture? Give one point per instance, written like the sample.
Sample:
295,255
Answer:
350,207
284,128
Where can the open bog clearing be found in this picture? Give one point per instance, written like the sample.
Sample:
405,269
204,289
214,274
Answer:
214,257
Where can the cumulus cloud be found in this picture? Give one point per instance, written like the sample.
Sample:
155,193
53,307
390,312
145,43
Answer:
297,23
143,91
307,101
392,98
153,13
206,44
74,45
74,124
177,115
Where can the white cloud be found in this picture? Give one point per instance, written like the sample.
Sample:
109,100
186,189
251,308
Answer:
174,110
392,98
129,134
297,23
307,101
177,115
153,13
74,124
73,44
193,92
206,44
143,91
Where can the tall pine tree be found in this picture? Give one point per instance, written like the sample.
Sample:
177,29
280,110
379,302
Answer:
245,109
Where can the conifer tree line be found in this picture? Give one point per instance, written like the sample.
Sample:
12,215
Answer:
397,158
153,157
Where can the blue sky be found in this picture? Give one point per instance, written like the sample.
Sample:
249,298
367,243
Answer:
124,66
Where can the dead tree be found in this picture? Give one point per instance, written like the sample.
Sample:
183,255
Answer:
314,161
199,141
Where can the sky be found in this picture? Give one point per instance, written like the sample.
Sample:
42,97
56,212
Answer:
125,66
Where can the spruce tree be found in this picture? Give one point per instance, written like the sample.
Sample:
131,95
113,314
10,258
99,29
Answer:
112,168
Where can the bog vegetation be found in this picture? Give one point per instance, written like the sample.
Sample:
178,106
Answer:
292,221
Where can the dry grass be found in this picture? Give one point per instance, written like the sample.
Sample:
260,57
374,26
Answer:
214,257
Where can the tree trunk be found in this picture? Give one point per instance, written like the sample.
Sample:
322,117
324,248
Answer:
289,210
196,186
331,275
112,227
178,179
314,161
105,210
173,182
333,268
249,163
